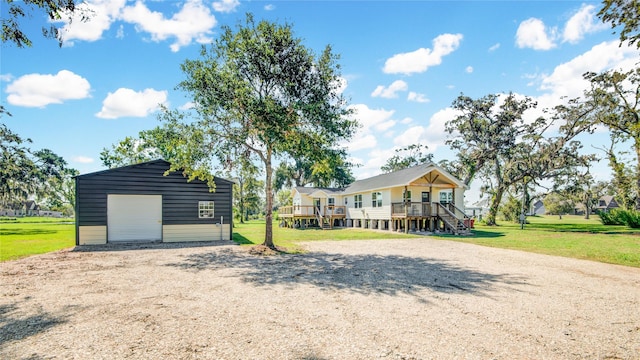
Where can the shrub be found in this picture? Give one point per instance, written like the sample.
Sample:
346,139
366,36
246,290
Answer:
630,218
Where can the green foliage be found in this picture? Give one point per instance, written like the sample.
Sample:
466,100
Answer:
512,209
493,141
611,102
24,172
53,9
258,91
558,204
630,218
625,14
406,157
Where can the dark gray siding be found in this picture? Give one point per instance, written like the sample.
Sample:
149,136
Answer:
179,197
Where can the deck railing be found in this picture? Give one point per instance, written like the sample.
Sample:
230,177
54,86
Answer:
414,209
310,210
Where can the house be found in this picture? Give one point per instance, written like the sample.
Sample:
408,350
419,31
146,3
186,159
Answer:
423,197
138,203
538,208
606,203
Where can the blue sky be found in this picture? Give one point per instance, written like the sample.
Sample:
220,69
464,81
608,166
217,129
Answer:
403,63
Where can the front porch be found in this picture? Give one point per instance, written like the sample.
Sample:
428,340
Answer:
429,216
303,216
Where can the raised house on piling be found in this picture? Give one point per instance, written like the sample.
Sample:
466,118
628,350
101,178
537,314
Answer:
420,198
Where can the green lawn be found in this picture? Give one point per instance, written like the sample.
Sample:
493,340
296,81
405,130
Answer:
34,235
572,237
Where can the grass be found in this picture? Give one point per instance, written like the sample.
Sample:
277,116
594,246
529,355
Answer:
572,237
22,237
252,233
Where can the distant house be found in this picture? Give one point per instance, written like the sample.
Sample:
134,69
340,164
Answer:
606,203
538,208
423,197
138,203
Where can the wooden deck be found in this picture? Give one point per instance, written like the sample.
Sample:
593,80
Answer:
325,217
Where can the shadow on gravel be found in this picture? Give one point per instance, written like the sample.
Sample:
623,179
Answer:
14,328
365,274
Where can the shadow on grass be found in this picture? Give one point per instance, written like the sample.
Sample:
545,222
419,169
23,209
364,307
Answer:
364,274
241,240
26,232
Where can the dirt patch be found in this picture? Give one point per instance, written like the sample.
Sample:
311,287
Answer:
396,299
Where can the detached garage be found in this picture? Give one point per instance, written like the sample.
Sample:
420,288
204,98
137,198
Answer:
138,203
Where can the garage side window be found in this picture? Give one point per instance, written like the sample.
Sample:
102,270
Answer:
205,209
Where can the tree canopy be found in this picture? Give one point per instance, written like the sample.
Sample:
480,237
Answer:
407,156
257,91
492,136
54,10
625,14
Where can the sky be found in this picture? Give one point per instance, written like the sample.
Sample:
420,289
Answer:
403,64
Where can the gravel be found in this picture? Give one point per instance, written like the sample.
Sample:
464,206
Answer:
391,299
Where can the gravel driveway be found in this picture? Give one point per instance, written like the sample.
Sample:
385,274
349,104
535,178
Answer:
395,299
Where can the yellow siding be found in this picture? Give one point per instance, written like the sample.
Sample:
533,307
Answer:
92,235
204,232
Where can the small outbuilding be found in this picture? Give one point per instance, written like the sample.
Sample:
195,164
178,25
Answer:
139,203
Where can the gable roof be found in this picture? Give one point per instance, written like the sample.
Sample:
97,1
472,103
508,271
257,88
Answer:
139,165
399,178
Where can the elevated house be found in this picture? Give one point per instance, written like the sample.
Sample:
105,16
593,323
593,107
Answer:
423,197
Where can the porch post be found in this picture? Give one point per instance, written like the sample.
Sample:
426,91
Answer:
406,210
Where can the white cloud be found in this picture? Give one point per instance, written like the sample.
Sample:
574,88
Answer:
101,13
494,47
414,96
120,33
6,77
583,22
225,6
566,79
341,85
420,60
372,122
188,105
532,33
192,23
82,159
406,121
127,102
391,91
269,7
40,90
433,135
469,69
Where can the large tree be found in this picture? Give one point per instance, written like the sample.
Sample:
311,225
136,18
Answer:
258,91
492,138
613,102
25,172
329,169
54,11
625,14
406,157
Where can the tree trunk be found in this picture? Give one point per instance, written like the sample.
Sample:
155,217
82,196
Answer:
496,199
637,146
268,234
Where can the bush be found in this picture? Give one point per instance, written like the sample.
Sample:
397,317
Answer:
630,218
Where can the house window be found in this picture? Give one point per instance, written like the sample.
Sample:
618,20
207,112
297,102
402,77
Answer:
406,195
205,209
376,199
357,201
331,201
446,197
425,197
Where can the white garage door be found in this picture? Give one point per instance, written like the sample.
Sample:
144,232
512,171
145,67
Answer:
134,217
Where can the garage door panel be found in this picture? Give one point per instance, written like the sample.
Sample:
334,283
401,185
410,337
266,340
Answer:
134,217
